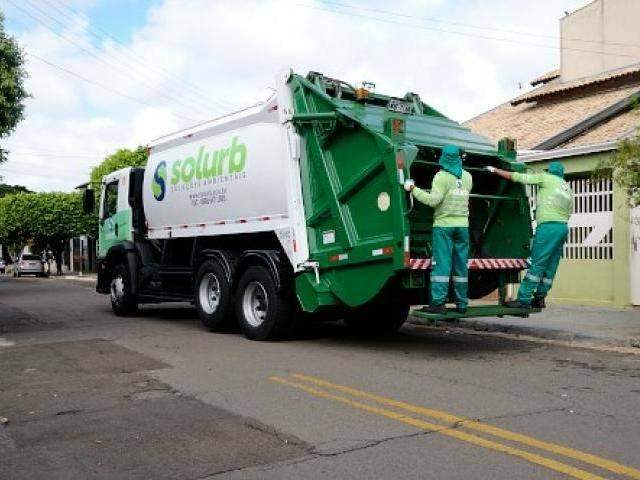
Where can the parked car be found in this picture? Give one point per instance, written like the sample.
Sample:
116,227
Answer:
3,267
28,264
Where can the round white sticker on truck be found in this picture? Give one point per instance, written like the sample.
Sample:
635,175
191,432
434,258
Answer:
384,201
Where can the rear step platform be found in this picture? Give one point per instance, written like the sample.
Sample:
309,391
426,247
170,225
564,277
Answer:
423,318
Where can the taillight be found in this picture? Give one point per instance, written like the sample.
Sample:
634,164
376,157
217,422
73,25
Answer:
400,166
407,252
397,126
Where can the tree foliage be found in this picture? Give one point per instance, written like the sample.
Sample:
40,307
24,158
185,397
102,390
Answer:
44,220
624,168
121,159
6,189
12,92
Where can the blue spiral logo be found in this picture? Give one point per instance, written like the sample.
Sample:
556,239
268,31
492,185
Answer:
159,183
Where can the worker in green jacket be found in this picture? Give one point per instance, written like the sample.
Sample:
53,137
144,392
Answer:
449,197
553,209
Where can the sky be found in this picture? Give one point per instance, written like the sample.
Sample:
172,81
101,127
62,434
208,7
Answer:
110,74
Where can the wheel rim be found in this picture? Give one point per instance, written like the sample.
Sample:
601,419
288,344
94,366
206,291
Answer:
255,304
209,293
117,289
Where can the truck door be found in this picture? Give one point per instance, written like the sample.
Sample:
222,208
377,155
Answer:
115,212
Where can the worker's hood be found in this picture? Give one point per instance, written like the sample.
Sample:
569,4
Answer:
556,168
450,160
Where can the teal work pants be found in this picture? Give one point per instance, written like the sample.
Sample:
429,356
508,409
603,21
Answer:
450,256
546,253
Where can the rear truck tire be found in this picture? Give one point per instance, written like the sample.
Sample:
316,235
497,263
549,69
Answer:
213,296
264,313
377,319
123,302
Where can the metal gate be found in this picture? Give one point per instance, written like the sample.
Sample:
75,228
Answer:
591,224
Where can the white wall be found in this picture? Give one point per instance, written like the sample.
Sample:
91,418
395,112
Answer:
635,256
602,36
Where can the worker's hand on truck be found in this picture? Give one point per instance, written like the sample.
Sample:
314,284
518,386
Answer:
409,184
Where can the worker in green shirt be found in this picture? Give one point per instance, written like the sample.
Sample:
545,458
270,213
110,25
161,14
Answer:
553,209
449,197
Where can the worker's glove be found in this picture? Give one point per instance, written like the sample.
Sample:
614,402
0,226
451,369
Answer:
490,169
409,184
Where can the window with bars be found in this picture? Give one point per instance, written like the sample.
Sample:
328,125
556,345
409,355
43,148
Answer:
591,223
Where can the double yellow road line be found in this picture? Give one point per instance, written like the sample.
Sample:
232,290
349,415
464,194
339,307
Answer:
457,427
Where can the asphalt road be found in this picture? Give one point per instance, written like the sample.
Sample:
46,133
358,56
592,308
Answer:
91,395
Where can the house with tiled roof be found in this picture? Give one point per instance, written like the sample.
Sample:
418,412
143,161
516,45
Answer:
578,114
559,114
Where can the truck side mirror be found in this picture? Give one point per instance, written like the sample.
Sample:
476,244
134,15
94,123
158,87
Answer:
88,201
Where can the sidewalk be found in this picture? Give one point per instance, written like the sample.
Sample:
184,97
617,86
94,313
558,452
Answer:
87,277
606,326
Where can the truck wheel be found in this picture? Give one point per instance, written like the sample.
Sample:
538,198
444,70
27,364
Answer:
377,319
122,300
213,296
263,312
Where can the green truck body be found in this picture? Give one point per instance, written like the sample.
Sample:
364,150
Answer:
357,154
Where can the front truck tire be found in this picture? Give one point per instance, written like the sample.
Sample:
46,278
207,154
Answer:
213,296
123,302
263,311
378,318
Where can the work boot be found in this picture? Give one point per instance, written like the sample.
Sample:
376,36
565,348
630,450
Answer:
461,310
440,309
538,302
517,304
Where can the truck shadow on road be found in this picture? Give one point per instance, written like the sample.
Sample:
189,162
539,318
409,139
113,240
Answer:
439,341
410,339
172,313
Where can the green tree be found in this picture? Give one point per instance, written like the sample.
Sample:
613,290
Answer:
121,159
43,220
12,92
6,189
624,168
624,165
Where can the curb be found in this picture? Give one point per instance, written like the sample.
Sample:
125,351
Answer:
83,278
536,332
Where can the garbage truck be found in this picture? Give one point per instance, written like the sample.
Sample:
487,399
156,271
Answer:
295,208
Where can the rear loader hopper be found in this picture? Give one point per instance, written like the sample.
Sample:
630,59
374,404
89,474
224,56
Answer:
372,242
